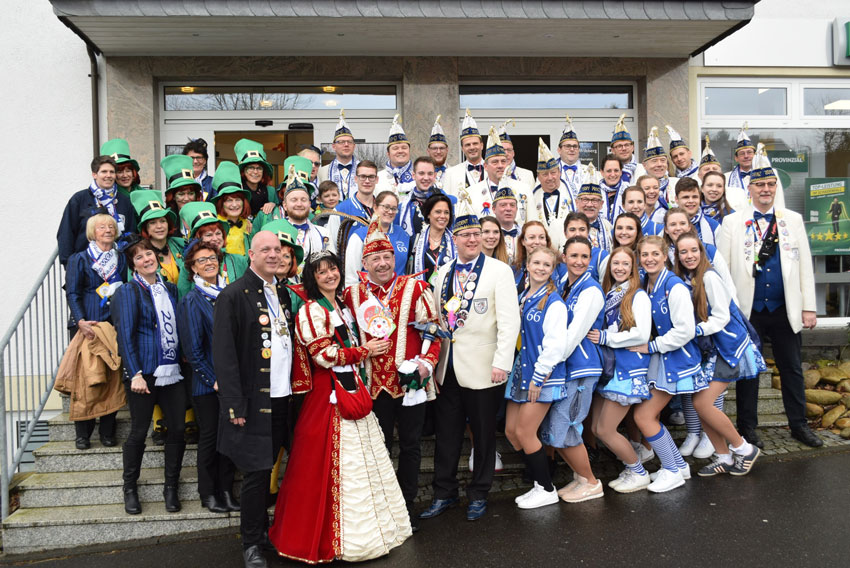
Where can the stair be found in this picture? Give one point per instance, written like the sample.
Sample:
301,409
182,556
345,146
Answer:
771,411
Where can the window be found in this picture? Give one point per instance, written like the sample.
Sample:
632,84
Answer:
303,97
546,97
826,101
745,101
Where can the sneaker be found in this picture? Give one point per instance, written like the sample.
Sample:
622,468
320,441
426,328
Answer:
470,459
677,418
577,479
743,464
705,449
688,446
644,454
582,491
666,480
499,465
632,482
716,467
685,472
615,482
521,498
539,498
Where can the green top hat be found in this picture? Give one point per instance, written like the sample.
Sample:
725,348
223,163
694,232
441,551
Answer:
287,235
303,168
196,214
178,172
118,150
249,152
227,180
148,205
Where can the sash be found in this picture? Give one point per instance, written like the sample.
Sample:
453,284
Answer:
167,370
463,295
344,179
613,300
446,252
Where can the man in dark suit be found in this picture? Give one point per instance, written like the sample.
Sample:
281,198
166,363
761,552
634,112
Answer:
252,356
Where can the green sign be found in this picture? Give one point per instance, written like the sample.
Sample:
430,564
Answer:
827,220
790,161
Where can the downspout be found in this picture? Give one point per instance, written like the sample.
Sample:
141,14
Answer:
95,102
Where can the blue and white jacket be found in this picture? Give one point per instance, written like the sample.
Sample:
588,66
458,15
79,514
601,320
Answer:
542,345
585,304
673,320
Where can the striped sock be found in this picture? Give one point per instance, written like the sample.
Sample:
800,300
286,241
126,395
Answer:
719,401
666,450
691,417
636,468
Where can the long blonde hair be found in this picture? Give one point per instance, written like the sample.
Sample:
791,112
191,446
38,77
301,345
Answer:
698,288
627,317
519,261
550,285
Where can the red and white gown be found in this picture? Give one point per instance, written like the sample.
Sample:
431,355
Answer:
339,499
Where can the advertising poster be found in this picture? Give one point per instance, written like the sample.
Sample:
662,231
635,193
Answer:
827,221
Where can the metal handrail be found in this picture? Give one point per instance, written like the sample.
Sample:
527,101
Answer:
30,353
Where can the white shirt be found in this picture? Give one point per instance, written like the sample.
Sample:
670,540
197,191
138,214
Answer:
281,346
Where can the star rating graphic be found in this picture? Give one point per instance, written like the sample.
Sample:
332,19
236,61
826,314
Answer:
828,236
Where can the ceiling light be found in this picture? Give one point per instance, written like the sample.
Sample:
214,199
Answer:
331,103
329,89
266,103
187,89
843,104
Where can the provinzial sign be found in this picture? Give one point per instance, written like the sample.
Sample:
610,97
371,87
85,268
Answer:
827,203
789,160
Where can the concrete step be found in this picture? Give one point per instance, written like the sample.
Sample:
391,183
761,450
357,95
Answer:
61,429
770,402
75,488
63,456
53,528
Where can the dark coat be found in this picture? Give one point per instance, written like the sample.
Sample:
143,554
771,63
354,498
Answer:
71,235
243,374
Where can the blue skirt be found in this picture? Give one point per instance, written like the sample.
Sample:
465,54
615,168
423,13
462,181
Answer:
751,363
562,426
657,379
625,390
515,392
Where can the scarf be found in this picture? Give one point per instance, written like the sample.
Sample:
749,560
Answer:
105,264
736,178
613,299
446,252
107,198
209,291
688,172
167,370
703,227
402,174
344,178
601,237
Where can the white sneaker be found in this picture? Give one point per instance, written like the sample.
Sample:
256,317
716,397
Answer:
677,418
500,466
687,447
685,472
527,494
665,481
705,449
539,498
644,454
615,482
470,459
632,482
583,492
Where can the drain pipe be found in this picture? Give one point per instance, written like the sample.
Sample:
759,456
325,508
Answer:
95,102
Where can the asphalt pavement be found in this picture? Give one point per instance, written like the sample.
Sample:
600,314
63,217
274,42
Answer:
787,512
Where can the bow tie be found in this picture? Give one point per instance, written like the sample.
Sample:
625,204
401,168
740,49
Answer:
510,232
494,188
302,226
574,168
237,223
766,216
463,267
596,224
344,166
474,168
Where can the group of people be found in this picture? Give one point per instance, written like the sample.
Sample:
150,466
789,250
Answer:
575,306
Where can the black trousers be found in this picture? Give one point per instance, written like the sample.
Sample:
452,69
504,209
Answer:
254,518
172,400
215,471
108,423
410,420
786,352
454,406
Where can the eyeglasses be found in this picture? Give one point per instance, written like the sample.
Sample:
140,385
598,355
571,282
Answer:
388,208
595,200
202,260
569,146
622,146
345,142
199,159
317,164
472,235
367,178
254,168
